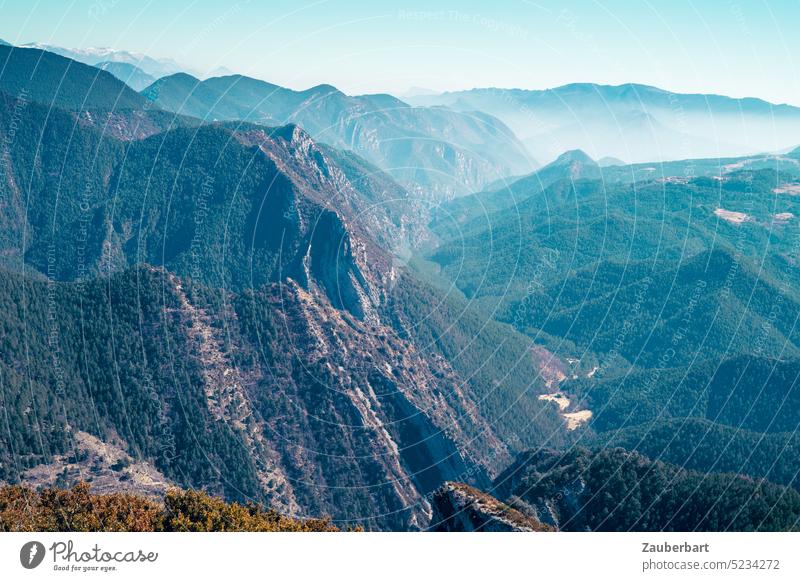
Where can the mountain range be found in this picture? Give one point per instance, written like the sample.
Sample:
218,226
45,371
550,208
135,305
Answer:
155,67
218,303
231,286
634,123
438,153
664,297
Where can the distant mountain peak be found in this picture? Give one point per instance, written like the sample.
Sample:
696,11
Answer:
156,67
179,78
418,92
449,151
324,89
572,156
610,161
220,72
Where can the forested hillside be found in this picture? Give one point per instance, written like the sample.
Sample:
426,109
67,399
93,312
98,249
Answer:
616,490
225,304
217,306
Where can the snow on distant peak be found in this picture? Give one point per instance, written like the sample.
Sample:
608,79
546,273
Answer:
155,67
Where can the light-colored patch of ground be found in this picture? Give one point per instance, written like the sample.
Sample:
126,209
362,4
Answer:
554,371
561,400
734,166
783,217
577,419
104,465
574,419
731,216
790,189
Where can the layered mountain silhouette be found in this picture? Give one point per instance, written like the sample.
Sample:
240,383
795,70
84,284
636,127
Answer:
219,304
232,286
635,123
98,55
128,73
436,152
62,82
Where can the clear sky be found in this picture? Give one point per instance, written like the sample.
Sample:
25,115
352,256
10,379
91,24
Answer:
737,48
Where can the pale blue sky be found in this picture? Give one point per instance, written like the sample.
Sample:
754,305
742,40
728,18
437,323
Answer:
738,48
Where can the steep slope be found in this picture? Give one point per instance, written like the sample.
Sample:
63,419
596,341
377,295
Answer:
257,355
236,198
273,396
438,151
56,173
494,363
673,249
668,308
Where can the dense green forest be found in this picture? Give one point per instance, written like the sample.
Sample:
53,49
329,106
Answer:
616,490
671,303
706,446
67,365
234,308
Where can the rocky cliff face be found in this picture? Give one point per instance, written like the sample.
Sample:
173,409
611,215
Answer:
366,426
253,356
458,507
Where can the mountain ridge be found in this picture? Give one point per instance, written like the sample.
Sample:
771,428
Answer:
56,80
435,151
632,122
249,271
94,55
624,88
128,73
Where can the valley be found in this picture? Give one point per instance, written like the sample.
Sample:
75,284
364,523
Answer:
389,313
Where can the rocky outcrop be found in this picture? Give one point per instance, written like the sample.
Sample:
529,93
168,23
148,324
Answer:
343,395
459,507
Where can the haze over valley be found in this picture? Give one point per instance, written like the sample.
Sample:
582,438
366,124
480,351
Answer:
493,309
